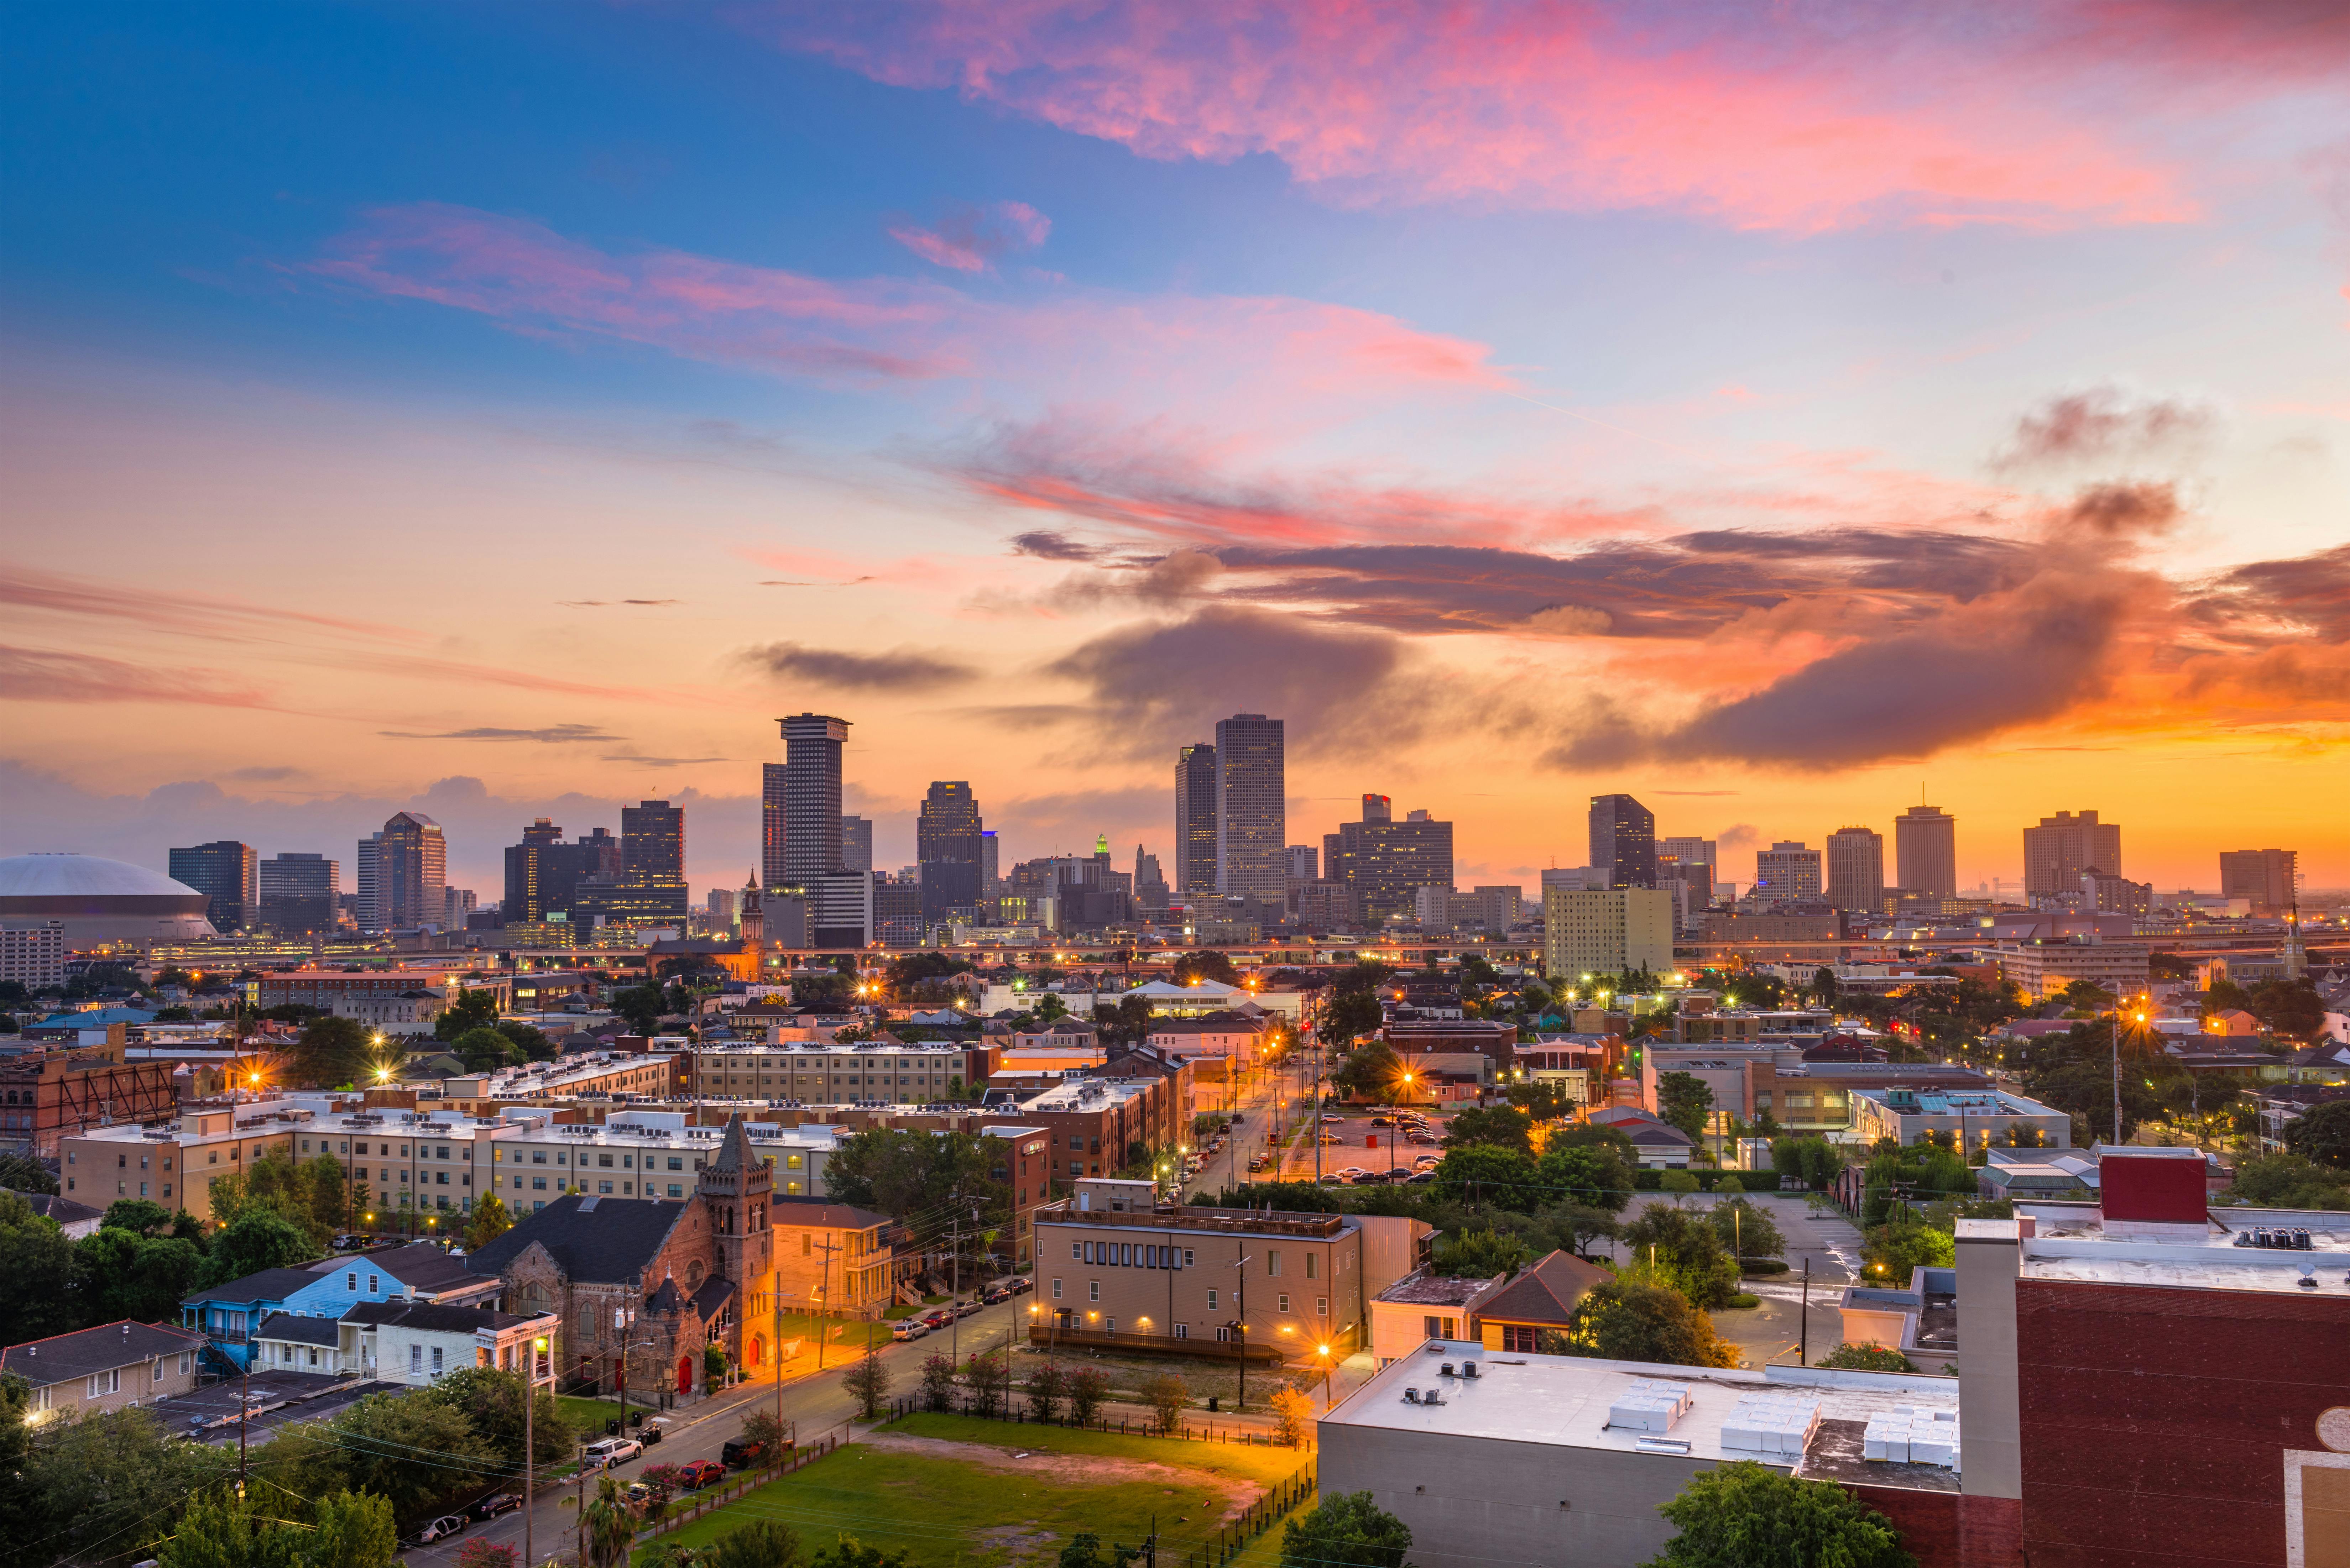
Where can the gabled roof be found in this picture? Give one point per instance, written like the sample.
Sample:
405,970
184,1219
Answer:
41,1362
300,1330
422,1266
1543,1294
268,1285
62,1210
826,1216
433,1317
602,1240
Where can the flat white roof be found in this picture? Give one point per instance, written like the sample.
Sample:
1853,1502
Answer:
1563,1400
2070,1242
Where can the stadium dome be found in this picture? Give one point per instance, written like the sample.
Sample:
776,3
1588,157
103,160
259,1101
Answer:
100,900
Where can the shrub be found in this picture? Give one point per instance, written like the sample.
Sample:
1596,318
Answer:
1088,1386
938,1383
1047,1387
1168,1400
1745,1515
1866,1356
1293,1413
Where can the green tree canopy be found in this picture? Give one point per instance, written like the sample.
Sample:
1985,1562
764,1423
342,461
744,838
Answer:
1683,1100
762,1543
2290,1181
485,1050
1745,1515
488,1221
1594,1175
1372,1071
2291,1007
475,1008
331,1052
1204,963
1682,1248
1632,1320
642,1006
1479,1255
1348,1529
23,1173
1504,1126
255,1240
122,1275
103,1485
37,1273
1866,1356
902,1171
1746,1230
1488,1173
2321,1135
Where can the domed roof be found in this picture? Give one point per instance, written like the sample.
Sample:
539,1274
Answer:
83,877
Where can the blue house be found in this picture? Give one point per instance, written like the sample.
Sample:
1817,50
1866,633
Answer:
230,1313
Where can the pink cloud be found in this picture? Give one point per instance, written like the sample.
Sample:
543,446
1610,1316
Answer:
1245,353
971,238
1816,120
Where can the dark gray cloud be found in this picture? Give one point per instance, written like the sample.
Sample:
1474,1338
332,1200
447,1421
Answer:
2103,425
899,669
552,734
658,762
2123,511
1908,694
1048,546
1160,684
608,604
2306,596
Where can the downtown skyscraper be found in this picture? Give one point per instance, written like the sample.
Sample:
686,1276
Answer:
800,834
949,842
1926,852
1252,808
1195,820
1623,841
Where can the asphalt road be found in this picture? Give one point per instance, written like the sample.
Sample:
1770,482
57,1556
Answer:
816,1400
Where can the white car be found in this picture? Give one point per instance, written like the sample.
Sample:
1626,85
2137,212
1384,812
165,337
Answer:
611,1451
1354,1173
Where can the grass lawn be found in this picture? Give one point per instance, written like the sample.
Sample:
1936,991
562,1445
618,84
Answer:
589,1415
947,1512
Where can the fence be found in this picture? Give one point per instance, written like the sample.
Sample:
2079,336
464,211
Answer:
1233,1538
916,1404
710,1498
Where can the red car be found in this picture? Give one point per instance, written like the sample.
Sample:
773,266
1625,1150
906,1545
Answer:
938,1319
700,1473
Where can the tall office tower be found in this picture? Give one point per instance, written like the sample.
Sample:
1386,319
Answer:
1305,863
1150,890
457,906
721,903
991,878
1787,873
1855,867
1690,851
800,835
651,887
2063,845
297,894
857,844
1381,862
2269,877
403,875
947,848
1195,819
1926,851
896,909
535,869
228,874
1623,840
1596,933
1574,878
1691,882
1252,808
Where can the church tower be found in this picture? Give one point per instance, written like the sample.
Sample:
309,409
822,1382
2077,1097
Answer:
753,917
737,1185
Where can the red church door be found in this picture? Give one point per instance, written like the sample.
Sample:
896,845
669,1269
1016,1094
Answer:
685,1375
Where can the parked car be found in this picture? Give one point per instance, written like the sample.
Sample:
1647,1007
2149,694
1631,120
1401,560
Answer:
1327,1116
1332,1178
1330,1137
1420,1178
350,1243
612,1451
1383,1121
1257,1162
1427,1162
907,1328
1022,1285
736,1452
700,1473
441,1529
997,1292
496,1504
1354,1173
939,1317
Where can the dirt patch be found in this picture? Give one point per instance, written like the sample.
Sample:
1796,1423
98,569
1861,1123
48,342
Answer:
1019,1545
1077,1470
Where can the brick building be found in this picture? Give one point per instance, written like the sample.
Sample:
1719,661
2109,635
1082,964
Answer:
48,1096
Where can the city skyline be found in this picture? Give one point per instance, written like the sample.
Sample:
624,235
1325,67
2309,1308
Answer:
2005,456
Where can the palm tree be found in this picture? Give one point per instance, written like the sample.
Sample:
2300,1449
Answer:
611,1529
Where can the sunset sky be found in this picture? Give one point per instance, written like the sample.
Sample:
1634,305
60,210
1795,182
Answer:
1772,411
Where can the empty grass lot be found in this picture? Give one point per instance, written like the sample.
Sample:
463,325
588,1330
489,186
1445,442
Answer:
953,1490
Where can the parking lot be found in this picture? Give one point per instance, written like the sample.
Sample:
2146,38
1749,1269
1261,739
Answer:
1369,1140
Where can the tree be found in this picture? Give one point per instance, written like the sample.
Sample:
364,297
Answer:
1812,1160
1504,1126
119,1274
641,1006
1630,1320
103,1486
848,1551
2289,1007
1204,963
2321,1135
528,1038
475,1008
1741,1514
1168,1400
1085,1550
1346,1530
1683,1100
330,1051
1088,1386
1683,1250
1868,1356
490,1399
1746,1230
353,1531
1369,1072
1891,1252
228,1532
1349,1016
1679,1183
255,1240
485,1050
1047,1387
983,1376
1593,1176
1480,1255
762,1543
611,1527
1293,1413
938,1383
867,1382
37,1273
489,1222
23,1173
419,1453
1484,1172
2289,1181
903,1170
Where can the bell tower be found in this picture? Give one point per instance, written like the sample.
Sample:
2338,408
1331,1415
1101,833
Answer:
735,1187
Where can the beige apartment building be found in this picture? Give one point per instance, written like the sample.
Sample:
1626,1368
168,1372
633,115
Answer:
832,1074
832,1258
2044,969
1294,1282
645,1154
113,1366
175,1163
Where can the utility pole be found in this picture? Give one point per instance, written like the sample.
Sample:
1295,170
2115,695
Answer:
529,1448
2117,1070
244,1412
954,1290
1803,1325
824,1303
1239,1300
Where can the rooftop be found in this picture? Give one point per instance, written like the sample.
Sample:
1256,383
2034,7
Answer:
1086,1095
100,1349
1199,1218
1565,1401
1421,1288
2242,1249
1957,1102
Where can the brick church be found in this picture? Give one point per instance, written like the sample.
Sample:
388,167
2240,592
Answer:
643,1286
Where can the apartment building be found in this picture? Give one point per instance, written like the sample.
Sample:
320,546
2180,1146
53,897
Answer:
599,1073
816,1073
2044,969
50,1094
644,1154
833,1258
1025,1165
1094,1122
1285,1285
175,1162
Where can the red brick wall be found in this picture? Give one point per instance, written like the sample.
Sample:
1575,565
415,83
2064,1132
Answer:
2155,1420
1947,1530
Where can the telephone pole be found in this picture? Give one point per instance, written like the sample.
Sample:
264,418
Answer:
529,1448
824,1303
